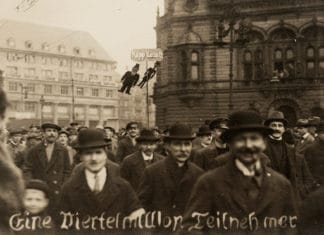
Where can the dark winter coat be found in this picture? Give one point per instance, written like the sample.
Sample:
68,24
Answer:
129,79
125,148
222,190
303,144
314,157
112,167
133,166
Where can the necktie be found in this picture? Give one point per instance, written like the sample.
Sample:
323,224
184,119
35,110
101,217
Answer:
96,188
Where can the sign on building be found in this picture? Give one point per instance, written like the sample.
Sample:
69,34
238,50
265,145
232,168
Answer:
140,55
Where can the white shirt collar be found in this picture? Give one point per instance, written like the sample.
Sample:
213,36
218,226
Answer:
306,135
91,177
147,157
245,171
271,137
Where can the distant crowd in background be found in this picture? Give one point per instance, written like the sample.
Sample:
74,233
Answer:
237,165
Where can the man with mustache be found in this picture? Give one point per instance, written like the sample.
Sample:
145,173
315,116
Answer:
243,188
48,161
166,184
133,166
284,159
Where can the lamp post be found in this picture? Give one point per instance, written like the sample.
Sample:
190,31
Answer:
41,101
233,16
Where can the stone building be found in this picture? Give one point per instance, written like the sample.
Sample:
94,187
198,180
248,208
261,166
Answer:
279,67
45,67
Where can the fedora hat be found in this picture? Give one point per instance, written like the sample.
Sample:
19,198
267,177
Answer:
219,123
50,125
204,130
91,138
302,123
39,185
180,131
146,135
276,116
244,121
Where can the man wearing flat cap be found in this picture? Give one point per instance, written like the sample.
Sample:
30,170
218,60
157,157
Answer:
305,138
166,184
244,189
283,158
133,165
63,138
48,161
14,145
95,189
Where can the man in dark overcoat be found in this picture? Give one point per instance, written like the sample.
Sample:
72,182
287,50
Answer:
133,166
166,184
128,145
283,158
244,190
305,138
48,161
94,189
129,79
314,155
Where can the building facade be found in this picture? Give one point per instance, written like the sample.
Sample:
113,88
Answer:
280,65
58,75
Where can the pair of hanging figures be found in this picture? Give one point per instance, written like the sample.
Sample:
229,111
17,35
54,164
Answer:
131,78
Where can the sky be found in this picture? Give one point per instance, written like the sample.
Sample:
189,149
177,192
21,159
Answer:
118,25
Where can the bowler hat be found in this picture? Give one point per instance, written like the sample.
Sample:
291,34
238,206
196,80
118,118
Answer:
146,135
91,138
39,185
276,116
50,125
180,131
204,130
244,121
320,127
74,124
220,123
302,123
136,66
63,131
314,121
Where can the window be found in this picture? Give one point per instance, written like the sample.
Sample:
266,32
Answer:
30,107
310,62
63,62
109,93
12,70
30,88
183,64
64,90
13,86
12,56
30,59
78,63
30,72
47,73
48,89
93,110
61,49
63,109
95,92
194,65
108,78
78,76
29,45
45,60
248,70
63,75
80,91
45,47
77,51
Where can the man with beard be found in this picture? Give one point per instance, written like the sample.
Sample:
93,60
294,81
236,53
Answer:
127,145
48,161
166,184
244,190
205,158
283,158
133,166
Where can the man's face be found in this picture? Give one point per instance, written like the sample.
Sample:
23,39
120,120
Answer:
148,147
321,136
179,149
63,139
278,128
109,133
312,130
33,142
35,201
247,146
50,135
133,131
16,138
206,139
301,130
94,159
217,132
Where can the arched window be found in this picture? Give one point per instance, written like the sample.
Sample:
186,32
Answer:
247,63
310,62
183,64
194,65
321,61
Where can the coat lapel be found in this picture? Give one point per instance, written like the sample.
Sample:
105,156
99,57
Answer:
267,191
55,154
139,163
42,155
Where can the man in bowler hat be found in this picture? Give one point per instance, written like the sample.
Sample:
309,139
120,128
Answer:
244,188
48,161
95,189
133,165
166,184
204,138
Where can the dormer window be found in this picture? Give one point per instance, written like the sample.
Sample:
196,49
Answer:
11,43
92,53
45,47
61,49
29,45
76,51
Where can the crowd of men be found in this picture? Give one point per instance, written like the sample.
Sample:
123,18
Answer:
239,174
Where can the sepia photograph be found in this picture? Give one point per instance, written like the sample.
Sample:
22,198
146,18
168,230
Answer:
162,117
